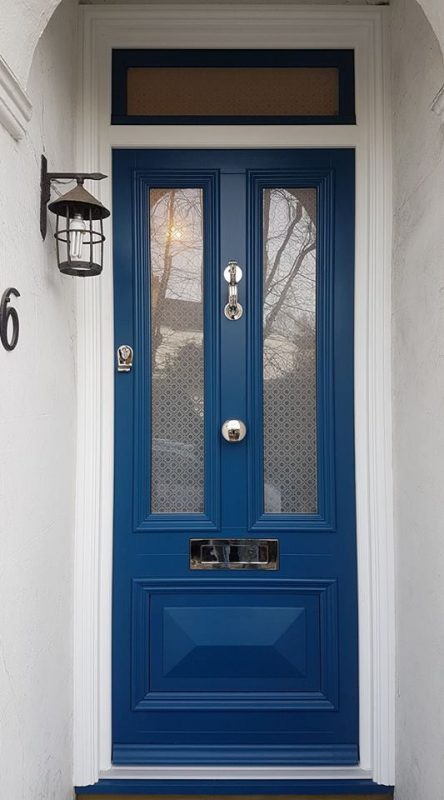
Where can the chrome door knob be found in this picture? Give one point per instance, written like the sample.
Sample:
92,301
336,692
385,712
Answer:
233,430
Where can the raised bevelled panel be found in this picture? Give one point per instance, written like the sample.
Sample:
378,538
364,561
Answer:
177,394
289,350
233,643
206,639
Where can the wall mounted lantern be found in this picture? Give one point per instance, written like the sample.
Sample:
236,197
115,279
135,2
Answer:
79,222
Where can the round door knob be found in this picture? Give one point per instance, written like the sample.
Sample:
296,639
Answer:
233,430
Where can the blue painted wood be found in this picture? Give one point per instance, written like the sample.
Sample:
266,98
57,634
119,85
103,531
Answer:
142,338
227,787
342,60
313,685
185,696
325,518
259,755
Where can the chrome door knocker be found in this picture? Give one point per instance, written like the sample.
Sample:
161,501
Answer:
233,275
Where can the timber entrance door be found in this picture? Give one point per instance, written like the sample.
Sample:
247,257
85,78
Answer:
235,597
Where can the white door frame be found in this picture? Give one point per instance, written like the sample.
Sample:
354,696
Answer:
259,26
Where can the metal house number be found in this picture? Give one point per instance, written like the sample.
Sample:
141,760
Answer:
9,321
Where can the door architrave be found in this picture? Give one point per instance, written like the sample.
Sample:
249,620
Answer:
276,26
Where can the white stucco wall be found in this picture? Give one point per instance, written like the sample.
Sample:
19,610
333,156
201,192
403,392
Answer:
37,450
434,10
418,402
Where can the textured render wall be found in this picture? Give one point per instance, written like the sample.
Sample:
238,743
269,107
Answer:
22,24
37,447
434,10
418,411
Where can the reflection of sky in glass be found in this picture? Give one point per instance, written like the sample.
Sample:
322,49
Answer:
176,226
176,270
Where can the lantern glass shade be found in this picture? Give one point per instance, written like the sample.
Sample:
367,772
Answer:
79,232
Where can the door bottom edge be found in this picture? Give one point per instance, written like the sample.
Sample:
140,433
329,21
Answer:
336,755
230,788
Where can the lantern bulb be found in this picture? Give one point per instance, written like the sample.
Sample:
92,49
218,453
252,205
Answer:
77,231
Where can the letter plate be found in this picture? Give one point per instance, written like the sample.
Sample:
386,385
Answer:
234,553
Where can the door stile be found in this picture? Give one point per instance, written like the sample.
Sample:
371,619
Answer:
233,353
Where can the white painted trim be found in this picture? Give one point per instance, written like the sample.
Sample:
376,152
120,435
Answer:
15,106
282,26
237,773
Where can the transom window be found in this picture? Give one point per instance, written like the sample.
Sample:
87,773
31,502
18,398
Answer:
233,87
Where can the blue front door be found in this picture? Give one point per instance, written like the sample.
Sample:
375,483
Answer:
235,593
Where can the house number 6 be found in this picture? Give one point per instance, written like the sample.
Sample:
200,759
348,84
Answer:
9,321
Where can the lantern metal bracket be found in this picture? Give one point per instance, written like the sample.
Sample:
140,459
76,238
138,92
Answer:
45,187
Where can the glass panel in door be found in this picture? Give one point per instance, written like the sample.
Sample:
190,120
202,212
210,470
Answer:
289,350
177,356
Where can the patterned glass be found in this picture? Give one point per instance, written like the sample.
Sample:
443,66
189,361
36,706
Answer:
177,402
289,351
232,91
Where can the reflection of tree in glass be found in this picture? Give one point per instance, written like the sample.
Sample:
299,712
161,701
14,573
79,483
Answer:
176,245
289,322
176,248
289,349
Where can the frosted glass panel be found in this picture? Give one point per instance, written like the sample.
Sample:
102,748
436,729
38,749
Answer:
289,351
177,411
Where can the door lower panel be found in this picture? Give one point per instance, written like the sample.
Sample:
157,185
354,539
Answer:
262,646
